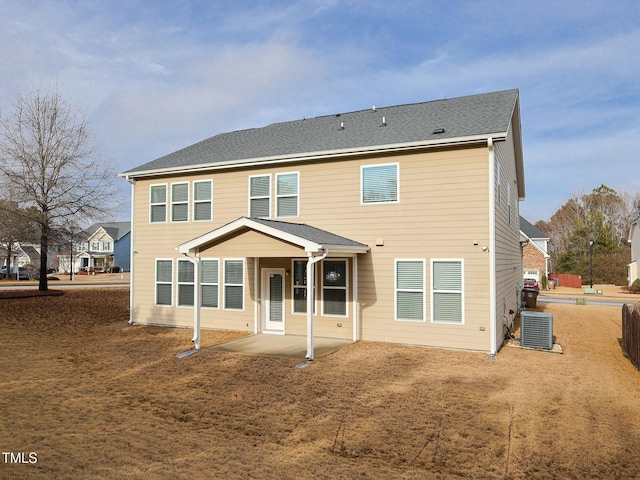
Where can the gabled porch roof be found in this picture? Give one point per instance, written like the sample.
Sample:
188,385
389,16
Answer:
308,238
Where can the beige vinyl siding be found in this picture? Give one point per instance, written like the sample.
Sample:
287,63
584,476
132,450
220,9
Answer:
443,210
508,251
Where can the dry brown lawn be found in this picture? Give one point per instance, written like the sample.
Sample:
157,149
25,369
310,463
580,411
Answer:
95,398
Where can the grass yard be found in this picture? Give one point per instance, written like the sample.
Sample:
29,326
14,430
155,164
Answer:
92,397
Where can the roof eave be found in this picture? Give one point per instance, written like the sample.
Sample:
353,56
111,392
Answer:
320,155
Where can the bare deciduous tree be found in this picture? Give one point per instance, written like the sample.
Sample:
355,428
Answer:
48,162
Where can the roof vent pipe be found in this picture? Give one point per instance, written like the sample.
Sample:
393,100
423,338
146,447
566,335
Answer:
384,121
341,125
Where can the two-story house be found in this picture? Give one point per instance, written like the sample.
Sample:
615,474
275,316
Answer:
395,224
535,256
634,241
104,247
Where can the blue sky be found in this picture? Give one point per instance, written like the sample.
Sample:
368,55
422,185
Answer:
155,76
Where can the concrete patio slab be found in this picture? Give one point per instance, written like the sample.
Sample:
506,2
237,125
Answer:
283,346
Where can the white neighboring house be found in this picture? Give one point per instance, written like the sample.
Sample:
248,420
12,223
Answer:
23,255
634,240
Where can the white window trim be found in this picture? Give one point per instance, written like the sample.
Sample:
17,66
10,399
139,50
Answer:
172,203
178,283
194,201
225,284
424,290
156,282
165,203
293,287
297,194
346,287
256,198
202,283
461,292
362,169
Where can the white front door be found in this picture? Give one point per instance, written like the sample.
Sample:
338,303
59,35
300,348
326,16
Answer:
273,300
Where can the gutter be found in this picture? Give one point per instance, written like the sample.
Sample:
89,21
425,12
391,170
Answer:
328,154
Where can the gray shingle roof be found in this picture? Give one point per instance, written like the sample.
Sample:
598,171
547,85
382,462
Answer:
307,232
116,230
531,231
488,113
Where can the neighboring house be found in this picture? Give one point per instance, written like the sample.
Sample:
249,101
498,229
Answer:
107,246
534,253
395,224
634,240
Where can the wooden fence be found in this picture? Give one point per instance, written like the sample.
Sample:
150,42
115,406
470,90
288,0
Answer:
631,333
566,280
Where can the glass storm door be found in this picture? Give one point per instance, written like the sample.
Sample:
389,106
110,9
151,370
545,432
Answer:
273,300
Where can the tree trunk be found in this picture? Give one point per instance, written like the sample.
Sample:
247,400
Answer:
44,245
7,274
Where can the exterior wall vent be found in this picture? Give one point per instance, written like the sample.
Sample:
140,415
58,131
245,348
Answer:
536,330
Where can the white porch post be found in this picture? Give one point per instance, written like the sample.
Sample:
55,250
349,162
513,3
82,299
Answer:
310,278
310,289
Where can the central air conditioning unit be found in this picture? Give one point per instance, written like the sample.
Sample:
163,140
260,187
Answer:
536,330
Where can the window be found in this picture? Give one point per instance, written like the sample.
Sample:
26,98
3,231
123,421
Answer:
95,245
209,283
186,283
447,301
234,284
202,200
380,183
158,203
410,290
287,195
300,287
334,287
260,196
106,246
179,202
164,282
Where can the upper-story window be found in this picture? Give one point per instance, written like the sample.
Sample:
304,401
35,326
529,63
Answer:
95,245
202,200
180,202
287,194
158,203
260,196
106,246
379,183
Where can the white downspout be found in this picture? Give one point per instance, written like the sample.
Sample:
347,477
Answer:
310,298
132,252
257,304
492,248
196,299
356,310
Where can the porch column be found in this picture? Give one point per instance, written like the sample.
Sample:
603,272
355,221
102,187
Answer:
310,298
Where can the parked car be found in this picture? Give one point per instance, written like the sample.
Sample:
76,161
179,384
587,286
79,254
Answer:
23,274
531,283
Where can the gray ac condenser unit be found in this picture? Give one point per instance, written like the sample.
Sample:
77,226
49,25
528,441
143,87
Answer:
536,330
